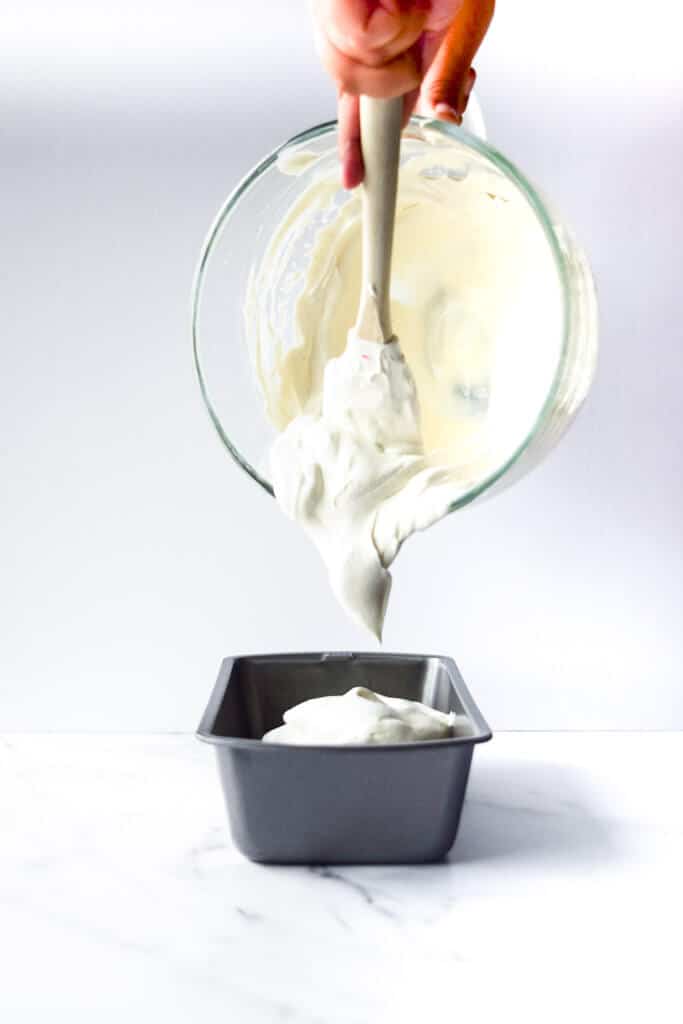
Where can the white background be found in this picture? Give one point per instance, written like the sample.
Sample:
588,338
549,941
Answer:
134,554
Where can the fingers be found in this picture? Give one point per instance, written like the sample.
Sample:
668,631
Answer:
373,33
419,49
370,47
350,152
393,78
449,55
409,102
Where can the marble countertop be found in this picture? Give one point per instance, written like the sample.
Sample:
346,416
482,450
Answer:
122,897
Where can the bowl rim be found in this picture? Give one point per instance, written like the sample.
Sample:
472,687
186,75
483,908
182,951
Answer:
205,730
507,168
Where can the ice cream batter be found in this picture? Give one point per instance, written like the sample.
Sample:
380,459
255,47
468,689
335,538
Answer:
372,448
355,475
364,717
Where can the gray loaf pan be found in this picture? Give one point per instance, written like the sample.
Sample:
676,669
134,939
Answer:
393,804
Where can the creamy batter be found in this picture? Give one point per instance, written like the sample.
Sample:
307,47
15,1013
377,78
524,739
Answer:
372,448
361,716
355,475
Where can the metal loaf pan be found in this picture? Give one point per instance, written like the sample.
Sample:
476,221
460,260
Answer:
398,803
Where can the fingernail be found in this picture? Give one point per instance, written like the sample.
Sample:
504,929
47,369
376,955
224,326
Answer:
446,112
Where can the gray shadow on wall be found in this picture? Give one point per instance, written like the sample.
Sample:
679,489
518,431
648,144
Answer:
529,811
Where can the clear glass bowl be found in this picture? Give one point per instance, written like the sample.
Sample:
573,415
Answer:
237,244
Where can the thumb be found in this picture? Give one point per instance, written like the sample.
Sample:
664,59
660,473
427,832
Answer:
450,102
450,77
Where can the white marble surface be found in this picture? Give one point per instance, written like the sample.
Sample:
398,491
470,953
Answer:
122,897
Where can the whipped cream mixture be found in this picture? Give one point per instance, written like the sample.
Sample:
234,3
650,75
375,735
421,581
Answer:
355,475
362,716
374,441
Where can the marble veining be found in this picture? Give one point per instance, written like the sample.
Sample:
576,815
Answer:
122,896
364,891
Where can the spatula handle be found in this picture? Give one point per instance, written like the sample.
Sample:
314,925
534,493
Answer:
380,122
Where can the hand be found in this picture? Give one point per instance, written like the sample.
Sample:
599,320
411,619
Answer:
419,49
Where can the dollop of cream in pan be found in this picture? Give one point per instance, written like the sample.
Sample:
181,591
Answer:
361,716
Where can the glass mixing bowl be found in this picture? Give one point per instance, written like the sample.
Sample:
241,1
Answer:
237,250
